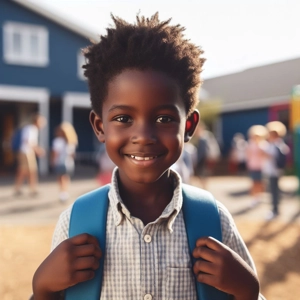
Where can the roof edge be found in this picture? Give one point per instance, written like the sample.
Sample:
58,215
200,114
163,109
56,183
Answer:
57,19
244,70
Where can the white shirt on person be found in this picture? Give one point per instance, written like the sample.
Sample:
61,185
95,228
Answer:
64,152
29,138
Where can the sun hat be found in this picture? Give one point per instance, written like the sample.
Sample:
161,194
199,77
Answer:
258,130
277,127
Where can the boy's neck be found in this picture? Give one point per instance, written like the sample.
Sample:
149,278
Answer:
147,201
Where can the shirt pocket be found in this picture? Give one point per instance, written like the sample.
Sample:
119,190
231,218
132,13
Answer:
180,284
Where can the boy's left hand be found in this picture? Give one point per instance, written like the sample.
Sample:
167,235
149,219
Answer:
222,268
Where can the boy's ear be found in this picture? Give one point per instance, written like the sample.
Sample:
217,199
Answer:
97,125
191,125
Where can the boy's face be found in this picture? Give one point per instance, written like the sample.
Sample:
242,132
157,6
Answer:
143,124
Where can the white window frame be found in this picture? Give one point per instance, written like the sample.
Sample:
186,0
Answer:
25,57
80,61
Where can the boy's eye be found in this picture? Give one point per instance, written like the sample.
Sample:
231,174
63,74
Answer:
123,119
163,119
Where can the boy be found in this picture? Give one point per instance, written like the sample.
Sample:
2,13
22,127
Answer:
143,81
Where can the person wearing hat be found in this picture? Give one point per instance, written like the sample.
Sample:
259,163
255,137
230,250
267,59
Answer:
275,153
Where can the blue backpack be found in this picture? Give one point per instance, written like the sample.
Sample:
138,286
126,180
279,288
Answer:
89,215
281,157
16,140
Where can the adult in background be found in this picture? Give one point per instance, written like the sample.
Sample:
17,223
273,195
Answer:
202,149
237,157
275,155
29,150
255,160
62,158
106,166
208,153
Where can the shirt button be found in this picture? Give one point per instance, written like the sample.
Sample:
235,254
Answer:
148,297
147,239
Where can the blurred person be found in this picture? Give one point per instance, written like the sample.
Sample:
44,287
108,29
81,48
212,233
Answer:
202,148
254,160
237,157
208,153
63,153
106,166
27,155
213,153
275,152
186,163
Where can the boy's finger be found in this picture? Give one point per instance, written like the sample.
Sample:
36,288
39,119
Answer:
205,253
203,267
88,250
83,275
84,263
205,278
84,238
209,242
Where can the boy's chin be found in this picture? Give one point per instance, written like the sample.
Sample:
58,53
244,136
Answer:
144,177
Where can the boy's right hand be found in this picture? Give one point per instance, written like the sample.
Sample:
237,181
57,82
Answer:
74,260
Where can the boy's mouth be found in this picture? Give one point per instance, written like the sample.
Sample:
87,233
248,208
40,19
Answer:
142,158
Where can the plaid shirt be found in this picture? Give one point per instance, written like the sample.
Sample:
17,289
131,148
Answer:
152,261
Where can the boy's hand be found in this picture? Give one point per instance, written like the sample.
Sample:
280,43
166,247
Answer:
74,260
222,268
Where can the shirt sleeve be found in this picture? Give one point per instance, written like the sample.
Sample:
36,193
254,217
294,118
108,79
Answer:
232,238
61,231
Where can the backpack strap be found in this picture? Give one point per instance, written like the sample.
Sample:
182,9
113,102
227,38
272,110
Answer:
201,217
89,215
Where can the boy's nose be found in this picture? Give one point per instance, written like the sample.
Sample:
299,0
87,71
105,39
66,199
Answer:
144,134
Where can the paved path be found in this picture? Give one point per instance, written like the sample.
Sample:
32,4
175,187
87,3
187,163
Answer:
232,191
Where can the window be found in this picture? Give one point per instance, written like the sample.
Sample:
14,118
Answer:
25,44
80,62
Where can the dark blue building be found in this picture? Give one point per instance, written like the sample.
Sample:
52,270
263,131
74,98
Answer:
40,71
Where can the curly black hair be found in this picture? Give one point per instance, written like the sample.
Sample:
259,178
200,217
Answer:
148,44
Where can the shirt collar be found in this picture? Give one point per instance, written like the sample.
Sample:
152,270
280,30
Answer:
170,212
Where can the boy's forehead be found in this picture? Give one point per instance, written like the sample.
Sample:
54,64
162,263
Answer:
144,78
144,84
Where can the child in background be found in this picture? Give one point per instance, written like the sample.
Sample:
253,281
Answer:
271,168
62,158
144,81
255,159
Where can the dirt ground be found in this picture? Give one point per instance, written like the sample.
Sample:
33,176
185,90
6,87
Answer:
275,248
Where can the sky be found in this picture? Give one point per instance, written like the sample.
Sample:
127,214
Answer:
235,34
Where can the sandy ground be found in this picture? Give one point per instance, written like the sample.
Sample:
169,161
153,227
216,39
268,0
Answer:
26,227
275,247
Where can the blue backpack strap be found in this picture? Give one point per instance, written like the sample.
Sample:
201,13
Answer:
201,217
89,215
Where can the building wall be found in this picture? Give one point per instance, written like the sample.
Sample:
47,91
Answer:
61,73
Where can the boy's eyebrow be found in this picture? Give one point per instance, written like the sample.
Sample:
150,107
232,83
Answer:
160,107
114,107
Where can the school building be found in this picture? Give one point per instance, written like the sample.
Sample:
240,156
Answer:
254,96
40,71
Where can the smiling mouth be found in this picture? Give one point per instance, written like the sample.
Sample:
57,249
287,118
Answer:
140,158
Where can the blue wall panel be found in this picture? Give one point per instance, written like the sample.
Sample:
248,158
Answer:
241,121
61,73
